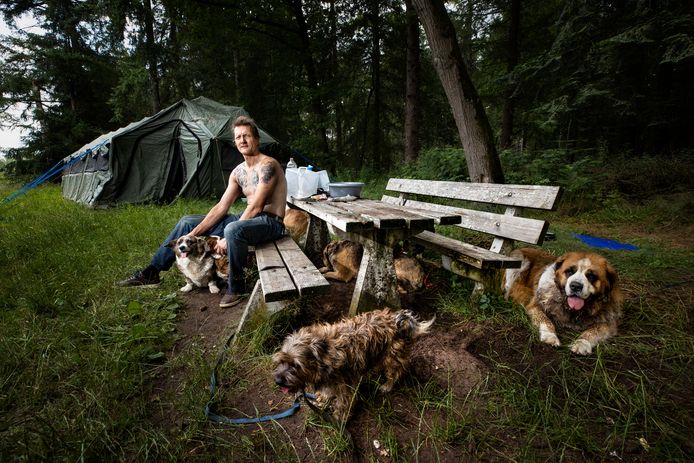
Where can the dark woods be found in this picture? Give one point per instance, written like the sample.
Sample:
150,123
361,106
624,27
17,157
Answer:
352,83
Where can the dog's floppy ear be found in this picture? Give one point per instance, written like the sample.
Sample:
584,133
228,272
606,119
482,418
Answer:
207,249
211,241
611,275
319,348
558,263
171,244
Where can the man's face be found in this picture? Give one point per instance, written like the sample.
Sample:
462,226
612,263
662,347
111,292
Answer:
246,143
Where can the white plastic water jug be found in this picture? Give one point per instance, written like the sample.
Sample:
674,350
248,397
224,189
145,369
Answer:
308,182
292,175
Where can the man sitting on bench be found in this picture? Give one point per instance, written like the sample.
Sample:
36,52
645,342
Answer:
261,179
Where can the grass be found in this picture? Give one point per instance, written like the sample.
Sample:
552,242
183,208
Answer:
80,357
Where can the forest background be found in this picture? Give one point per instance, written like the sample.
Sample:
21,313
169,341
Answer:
594,96
569,88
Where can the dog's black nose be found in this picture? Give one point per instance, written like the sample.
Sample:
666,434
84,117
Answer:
576,286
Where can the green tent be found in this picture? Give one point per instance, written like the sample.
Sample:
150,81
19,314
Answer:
184,150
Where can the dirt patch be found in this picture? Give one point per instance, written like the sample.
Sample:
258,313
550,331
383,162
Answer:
438,359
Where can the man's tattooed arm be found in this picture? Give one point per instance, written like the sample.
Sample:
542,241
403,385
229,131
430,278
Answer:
267,172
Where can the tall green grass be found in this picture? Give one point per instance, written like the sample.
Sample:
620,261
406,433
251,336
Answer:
77,353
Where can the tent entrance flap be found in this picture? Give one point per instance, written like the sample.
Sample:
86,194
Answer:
177,173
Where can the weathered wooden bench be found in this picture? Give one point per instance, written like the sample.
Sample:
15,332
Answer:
504,223
284,274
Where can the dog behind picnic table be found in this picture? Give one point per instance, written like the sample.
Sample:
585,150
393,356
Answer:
333,358
341,260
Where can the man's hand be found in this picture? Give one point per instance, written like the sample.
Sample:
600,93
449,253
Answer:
221,247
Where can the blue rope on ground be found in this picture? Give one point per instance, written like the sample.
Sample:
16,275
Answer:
223,419
50,173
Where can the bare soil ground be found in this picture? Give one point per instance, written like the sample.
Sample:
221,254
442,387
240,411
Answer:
451,357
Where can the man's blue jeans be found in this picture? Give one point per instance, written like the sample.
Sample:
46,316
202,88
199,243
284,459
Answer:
239,235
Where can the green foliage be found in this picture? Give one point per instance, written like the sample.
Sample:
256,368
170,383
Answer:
437,164
583,178
130,97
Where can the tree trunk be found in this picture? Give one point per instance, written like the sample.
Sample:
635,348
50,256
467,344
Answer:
513,54
412,78
471,119
151,56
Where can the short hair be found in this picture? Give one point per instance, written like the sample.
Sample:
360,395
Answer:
248,121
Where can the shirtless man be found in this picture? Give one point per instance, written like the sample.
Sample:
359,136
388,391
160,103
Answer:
261,179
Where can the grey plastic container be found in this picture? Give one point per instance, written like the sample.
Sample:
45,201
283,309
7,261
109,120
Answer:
340,189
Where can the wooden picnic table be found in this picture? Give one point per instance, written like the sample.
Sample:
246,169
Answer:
378,226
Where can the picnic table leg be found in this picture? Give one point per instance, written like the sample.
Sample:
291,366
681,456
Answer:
376,285
317,238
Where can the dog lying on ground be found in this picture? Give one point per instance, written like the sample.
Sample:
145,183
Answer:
333,358
578,290
199,264
341,260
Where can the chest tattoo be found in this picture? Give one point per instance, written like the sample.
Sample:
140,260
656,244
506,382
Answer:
261,174
241,176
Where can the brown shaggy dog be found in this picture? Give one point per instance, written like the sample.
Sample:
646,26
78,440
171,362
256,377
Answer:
333,358
197,261
578,291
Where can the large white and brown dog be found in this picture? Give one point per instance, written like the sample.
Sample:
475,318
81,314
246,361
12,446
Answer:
578,290
199,264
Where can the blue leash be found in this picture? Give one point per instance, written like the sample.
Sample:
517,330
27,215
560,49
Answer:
223,419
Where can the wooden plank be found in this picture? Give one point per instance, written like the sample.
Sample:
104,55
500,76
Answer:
531,196
472,255
413,218
370,210
277,284
440,217
267,257
305,275
275,280
506,226
332,213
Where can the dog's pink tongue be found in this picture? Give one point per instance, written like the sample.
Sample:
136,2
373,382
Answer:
285,390
576,303
184,254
